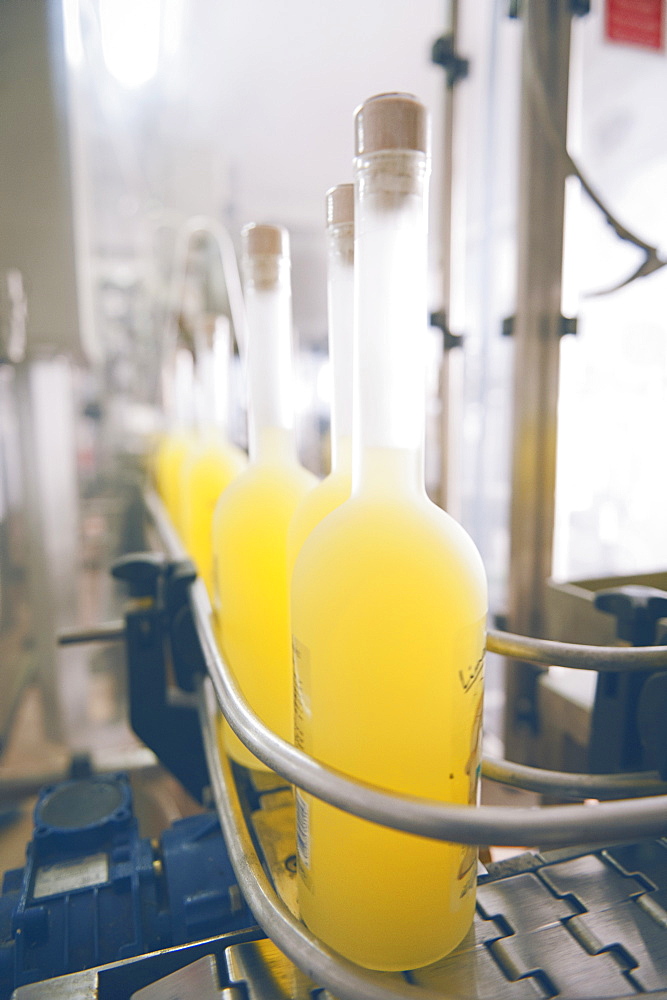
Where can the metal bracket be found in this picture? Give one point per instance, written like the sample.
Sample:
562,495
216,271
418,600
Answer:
160,635
443,54
438,320
567,325
579,8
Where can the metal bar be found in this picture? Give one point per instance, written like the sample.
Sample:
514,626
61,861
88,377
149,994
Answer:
553,826
447,421
537,335
570,785
105,632
604,659
549,827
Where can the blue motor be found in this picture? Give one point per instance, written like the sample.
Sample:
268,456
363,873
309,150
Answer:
93,891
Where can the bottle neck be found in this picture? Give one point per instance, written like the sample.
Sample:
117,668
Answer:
269,312
180,408
390,318
340,282
212,369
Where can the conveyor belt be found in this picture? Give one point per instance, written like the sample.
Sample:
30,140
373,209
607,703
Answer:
569,923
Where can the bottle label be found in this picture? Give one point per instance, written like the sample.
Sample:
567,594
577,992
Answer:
472,684
303,834
302,702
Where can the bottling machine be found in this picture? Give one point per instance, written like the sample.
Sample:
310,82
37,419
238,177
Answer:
206,906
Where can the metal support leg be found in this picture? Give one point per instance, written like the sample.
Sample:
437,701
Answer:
537,332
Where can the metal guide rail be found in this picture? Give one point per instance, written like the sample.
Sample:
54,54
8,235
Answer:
639,813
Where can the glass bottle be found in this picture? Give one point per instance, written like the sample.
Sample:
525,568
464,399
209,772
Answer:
335,487
251,520
178,440
214,461
389,603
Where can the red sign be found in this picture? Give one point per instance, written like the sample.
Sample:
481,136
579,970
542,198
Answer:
636,22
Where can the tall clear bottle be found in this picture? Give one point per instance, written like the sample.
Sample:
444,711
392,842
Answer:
252,517
389,603
214,461
335,487
180,436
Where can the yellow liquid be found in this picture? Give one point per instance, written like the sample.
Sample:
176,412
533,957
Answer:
171,455
388,619
320,501
251,590
205,473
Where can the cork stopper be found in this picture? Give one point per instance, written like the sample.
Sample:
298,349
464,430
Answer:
340,204
391,121
265,260
264,241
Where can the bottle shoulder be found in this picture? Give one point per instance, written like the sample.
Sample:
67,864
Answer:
263,488
402,535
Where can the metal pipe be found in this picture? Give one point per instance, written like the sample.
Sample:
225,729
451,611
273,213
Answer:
570,785
604,659
483,825
105,632
548,827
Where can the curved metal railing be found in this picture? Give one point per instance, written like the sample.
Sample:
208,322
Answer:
552,826
631,818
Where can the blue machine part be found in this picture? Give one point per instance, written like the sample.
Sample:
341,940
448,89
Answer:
93,891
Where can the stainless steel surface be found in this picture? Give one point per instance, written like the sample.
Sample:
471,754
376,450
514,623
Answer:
527,954
68,876
566,784
576,655
626,930
591,883
197,981
78,986
264,972
120,980
523,902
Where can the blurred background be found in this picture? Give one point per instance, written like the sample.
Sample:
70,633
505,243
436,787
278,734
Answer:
123,119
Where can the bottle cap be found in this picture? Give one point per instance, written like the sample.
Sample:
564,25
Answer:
259,240
391,121
340,204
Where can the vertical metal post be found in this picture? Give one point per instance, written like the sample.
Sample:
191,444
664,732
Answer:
445,54
537,331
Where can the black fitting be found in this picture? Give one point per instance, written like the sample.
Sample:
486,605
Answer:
163,647
142,572
566,325
443,54
627,724
450,340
